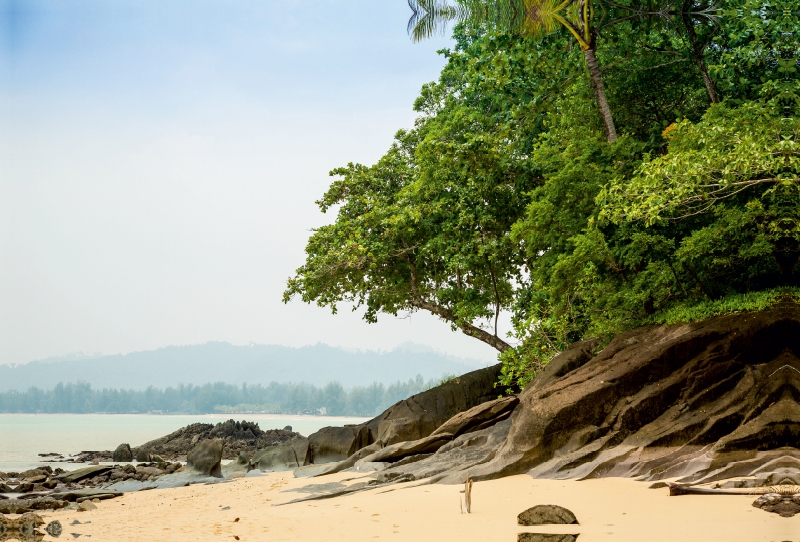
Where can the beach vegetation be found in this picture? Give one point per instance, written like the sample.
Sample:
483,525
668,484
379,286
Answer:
672,197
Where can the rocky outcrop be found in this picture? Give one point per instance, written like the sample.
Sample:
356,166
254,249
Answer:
698,402
236,437
701,402
411,419
421,414
205,458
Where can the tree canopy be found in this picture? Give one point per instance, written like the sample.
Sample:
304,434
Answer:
510,194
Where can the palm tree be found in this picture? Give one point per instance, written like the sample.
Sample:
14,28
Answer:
526,17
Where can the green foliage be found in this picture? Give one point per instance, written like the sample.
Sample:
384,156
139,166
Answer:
731,304
508,193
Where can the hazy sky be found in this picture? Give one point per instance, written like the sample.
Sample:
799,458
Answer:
159,162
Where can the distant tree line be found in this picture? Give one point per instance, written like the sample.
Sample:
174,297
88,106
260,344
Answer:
332,399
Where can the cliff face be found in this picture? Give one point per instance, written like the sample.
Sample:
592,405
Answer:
701,401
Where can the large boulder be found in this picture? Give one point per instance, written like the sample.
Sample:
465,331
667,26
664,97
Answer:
285,456
123,454
331,444
421,414
143,455
411,419
205,459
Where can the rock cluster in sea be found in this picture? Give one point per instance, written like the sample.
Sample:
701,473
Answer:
236,437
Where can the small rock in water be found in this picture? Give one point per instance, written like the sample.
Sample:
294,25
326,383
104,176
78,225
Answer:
287,428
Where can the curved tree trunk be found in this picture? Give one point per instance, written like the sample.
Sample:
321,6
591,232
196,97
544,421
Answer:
600,94
697,53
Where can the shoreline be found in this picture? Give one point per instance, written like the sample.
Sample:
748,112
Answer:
613,509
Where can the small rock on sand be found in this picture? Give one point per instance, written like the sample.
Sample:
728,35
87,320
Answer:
547,514
86,506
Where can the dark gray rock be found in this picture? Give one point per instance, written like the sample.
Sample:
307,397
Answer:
331,444
700,402
82,474
330,468
82,494
539,537
143,455
286,456
421,414
205,458
123,454
398,451
479,417
547,514
452,462
288,428
236,437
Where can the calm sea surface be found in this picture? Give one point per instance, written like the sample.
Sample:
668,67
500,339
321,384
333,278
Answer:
23,436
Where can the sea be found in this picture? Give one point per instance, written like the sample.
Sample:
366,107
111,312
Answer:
24,436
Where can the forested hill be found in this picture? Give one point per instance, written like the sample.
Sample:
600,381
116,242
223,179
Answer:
223,362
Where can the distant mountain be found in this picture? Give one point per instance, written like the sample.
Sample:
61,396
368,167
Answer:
223,362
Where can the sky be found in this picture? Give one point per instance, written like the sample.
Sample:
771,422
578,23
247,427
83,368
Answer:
159,163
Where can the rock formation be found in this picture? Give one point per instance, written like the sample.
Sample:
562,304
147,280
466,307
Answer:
701,402
205,458
236,437
410,419
123,454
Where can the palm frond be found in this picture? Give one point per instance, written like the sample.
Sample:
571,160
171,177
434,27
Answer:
432,17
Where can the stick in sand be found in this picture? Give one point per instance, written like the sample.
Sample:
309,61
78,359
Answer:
468,495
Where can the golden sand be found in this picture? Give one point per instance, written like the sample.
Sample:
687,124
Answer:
608,510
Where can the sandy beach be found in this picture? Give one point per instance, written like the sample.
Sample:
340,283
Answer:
608,509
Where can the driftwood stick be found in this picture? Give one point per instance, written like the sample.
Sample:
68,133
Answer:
468,495
677,489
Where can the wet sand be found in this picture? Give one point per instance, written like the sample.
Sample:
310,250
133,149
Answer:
608,510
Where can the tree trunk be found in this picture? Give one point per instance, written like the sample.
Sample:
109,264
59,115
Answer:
697,53
468,329
600,94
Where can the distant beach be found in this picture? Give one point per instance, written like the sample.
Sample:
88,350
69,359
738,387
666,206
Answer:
24,436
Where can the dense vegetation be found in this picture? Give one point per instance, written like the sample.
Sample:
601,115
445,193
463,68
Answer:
331,400
589,166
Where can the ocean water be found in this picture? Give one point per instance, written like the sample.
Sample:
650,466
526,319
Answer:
24,436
